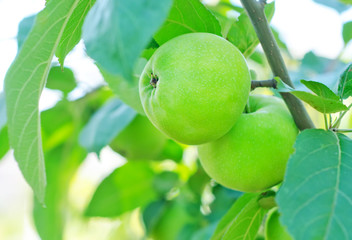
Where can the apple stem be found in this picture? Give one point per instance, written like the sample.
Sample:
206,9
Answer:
154,79
255,11
271,83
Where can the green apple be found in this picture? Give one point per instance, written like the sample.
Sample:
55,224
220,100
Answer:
252,156
139,140
195,87
274,230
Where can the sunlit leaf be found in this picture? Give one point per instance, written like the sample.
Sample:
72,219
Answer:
242,221
73,30
345,84
325,101
24,27
320,89
187,16
316,190
63,155
24,82
242,33
321,104
115,32
127,91
105,124
125,189
347,32
61,79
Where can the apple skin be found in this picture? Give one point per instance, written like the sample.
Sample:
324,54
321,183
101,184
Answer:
252,156
274,230
201,85
139,140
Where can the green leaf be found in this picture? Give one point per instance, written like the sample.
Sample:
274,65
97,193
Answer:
4,146
326,101
171,150
316,190
152,213
242,33
321,104
165,181
187,16
320,89
24,27
24,82
61,79
347,32
125,189
73,30
127,91
115,32
63,155
105,124
3,115
224,199
345,83
242,221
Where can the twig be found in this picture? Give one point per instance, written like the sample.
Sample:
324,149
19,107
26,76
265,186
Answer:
255,11
340,130
272,83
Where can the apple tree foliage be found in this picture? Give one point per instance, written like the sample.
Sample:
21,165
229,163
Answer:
315,198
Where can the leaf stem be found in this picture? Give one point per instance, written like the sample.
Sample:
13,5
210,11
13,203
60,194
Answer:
326,121
337,122
340,130
255,11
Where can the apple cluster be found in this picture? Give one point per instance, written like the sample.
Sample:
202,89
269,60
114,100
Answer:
195,88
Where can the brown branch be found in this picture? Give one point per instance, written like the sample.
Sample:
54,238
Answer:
255,11
272,83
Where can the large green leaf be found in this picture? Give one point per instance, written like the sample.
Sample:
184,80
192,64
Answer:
73,30
347,32
187,16
345,83
242,33
24,82
317,187
242,221
24,27
115,32
125,189
63,155
61,79
127,91
106,124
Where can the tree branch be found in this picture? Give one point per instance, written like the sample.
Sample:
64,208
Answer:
272,83
255,11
